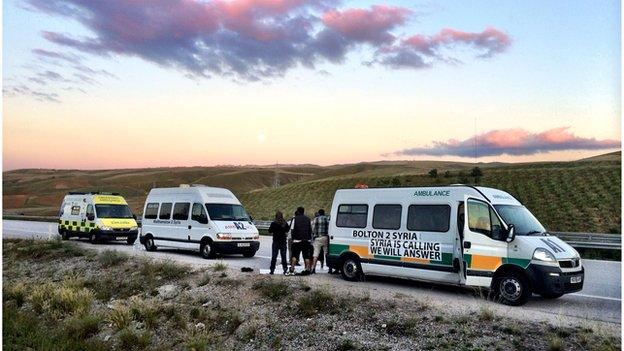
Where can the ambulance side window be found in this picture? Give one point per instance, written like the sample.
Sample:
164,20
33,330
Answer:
429,218
151,210
90,210
199,214
165,210
482,219
352,216
387,216
181,211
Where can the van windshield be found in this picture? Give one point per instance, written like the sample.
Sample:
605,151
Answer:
113,211
227,212
523,220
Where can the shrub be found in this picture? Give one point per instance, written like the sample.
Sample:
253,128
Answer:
273,290
433,173
109,258
219,267
120,317
319,301
555,344
133,340
59,301
15,292
83,327
485,314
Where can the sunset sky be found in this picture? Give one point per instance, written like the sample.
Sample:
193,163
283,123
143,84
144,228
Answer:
128,84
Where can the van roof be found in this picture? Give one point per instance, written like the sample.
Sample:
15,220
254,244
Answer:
206,193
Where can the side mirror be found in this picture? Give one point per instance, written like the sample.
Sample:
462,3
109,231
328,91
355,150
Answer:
90,216
134,216
511,233
250,218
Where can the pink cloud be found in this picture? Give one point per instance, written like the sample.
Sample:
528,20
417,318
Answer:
512,142
367,25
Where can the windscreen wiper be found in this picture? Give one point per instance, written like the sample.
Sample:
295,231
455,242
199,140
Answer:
532,232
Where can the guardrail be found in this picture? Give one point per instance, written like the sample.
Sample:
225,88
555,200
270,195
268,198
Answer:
577,240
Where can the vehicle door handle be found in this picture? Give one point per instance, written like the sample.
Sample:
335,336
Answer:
189,227
467,244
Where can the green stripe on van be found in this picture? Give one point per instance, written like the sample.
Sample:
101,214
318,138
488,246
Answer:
524,263
382,257
447,259
337,249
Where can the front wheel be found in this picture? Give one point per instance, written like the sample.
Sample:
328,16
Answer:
64,235
249,254
351,269
149,244
130,240
512,289
93,238
206,250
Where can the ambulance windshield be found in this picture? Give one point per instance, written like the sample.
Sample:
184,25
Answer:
113,211
227,212
523,220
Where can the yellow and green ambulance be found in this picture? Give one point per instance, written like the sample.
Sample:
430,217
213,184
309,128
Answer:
97,216
461,235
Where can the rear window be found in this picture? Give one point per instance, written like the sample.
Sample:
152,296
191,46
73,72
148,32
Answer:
352,216
151,211
181,211
428,218
387,216
165,211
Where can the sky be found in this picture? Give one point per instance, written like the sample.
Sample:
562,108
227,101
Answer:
133,84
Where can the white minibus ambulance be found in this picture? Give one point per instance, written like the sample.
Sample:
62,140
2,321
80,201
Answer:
98,216
421,233
197,217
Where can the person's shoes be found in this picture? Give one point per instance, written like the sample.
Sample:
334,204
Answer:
305,272
271,272
313,271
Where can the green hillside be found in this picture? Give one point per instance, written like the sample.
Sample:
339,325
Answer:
565,196
581,195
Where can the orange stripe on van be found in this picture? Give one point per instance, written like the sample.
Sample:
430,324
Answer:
489,263
415,260
361,251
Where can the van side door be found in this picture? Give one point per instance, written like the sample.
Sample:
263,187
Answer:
485,247
199,223
181,223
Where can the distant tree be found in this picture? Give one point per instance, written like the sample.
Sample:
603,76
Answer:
476,172
382,183
396,182
433,173
447,174
462,178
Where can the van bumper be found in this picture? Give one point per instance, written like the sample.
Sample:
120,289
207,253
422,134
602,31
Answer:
233,247
552,280
117,234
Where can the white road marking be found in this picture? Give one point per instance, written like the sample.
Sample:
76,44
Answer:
597,297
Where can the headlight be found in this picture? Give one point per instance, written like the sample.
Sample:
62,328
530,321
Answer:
256,237
134,228
543,255
224,236
106,228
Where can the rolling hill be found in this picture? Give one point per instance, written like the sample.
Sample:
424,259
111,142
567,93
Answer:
579,195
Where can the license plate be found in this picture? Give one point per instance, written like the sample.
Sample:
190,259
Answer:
243,244
576,279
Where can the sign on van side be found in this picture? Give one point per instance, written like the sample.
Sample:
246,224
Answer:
432,193
399,244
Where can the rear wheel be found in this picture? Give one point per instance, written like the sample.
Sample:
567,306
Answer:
149,244
512,289
206,250
93,238
351,269
64,235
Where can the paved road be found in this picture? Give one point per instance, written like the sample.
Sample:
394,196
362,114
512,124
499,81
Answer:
599,300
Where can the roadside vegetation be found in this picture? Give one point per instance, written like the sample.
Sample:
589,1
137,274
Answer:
59,296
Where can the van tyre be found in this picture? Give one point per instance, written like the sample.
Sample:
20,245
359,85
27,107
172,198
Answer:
149,244
512,289
64,235
206,250
351,269
93,238
130,241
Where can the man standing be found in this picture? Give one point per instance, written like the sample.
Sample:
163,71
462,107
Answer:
321,237
301,236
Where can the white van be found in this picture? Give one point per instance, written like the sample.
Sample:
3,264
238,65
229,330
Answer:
97,216
197,217
420,233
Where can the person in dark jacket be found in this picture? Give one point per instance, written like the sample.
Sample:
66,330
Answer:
301,235
278,228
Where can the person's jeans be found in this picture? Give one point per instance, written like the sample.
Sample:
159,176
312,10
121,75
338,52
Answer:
281,248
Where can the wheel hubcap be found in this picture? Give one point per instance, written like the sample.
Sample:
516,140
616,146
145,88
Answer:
150,242
510,288
350,269
206,251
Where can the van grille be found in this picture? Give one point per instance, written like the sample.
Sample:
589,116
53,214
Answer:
573,263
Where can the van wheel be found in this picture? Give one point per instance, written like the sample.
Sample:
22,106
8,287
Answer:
249,254
351,269
93,239
149,244
206,250
512,289
551,295
130,241
64,235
